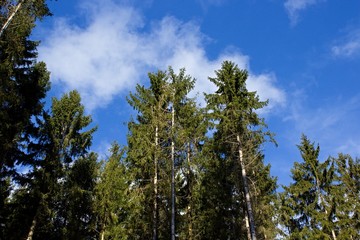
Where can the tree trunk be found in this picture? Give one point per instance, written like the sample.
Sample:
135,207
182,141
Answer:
246,191
102,235
247,225
172,176
33,225
155,210
189,209
6,24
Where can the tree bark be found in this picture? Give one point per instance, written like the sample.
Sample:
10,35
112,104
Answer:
172,176
155,210
6,24
189,208
33,225
246,191
247,225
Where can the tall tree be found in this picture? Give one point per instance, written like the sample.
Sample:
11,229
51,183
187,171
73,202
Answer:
160,133
63,138
239,134
181,108
23,84
145,156
307,205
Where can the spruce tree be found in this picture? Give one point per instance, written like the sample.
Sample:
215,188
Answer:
146,159
346,195
307,204
112,202
23,84
247,187
63,138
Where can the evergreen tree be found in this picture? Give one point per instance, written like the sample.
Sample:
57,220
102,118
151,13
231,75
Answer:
346,195
147,161
23,84
78,199
307,204
61,141
161,132
247,187
112,206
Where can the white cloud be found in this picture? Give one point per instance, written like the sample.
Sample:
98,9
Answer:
293,7
349,47
113,52
331,125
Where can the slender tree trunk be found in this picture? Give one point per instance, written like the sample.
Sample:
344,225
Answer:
155,210
102,235
172,175
247,225
6,24
246,191
32,228
33,224
189,209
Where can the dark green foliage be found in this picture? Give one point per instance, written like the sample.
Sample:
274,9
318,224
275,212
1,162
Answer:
23,84
346,195
238,128
56,195
307,204
78,199
112,200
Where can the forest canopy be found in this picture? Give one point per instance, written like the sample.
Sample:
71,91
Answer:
186,172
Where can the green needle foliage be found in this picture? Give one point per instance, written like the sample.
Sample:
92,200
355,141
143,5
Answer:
63,175
307,204
247,189
346,195
23,85
112,202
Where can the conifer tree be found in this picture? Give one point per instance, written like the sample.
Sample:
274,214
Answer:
23,84
346,195
146,158
239,135
112,200
61,141
161,133
307,204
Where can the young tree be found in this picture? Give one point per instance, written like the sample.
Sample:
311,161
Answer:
237,140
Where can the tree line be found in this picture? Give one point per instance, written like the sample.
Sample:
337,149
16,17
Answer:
186,172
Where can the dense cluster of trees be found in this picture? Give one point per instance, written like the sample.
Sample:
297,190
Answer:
187,172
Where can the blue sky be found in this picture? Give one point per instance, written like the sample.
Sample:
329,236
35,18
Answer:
302,55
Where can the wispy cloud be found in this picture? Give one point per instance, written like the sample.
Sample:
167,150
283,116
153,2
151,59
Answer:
349,46
113,52
293,7
332,125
